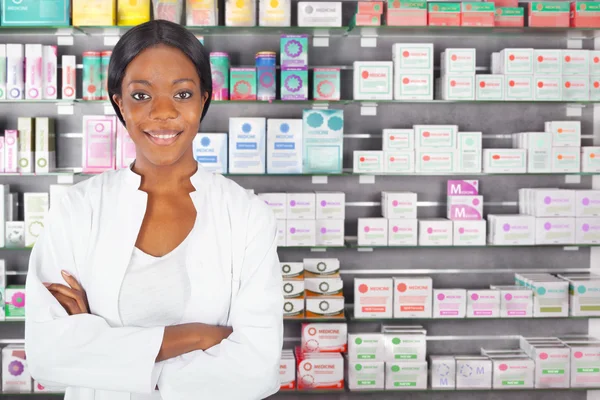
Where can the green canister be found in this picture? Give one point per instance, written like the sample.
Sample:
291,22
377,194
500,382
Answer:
92,75
219,66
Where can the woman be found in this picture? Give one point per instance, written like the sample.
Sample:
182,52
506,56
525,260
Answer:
160,280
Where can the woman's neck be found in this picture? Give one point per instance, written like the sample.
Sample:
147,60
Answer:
166,178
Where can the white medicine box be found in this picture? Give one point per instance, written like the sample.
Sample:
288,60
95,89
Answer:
330,205
398,139
301,206
373,80
458,61
373,298
372,232
399,205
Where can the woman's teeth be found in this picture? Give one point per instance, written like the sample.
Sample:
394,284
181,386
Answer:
164,136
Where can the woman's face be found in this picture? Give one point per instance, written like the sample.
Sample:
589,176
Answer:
161,104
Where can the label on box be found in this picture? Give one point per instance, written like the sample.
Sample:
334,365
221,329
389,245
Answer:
402,232
406,13
551,14
575,62
428,161
457,87
576,88
458,61
519,87
413,57
547,62
397,162
489,87
547,88
509,16
435,136
411,86
398,139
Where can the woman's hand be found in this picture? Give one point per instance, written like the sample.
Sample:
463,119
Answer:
212,335
72,298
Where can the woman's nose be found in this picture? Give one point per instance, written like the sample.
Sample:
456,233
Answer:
163,108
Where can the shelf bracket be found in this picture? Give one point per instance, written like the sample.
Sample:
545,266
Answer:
317,250
66,179
108,109
319,180
65,109
574,39
321,38
574,110
320,106
366,179
368,37
572,179
64,37
368,109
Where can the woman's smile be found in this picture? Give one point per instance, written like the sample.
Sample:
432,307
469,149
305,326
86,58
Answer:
163,137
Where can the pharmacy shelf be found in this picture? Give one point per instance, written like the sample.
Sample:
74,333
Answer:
354,245
430,390
325,104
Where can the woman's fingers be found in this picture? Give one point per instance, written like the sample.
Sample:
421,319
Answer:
70,305
72,281
71,293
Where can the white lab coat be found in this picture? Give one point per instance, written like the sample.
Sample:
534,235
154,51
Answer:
91,233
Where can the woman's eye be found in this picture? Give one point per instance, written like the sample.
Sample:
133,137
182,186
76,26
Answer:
183,95
140,96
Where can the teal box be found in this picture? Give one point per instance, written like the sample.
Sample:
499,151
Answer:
294,84
323,141
35,12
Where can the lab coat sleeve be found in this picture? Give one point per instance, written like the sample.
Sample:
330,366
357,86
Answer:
80,350
246,365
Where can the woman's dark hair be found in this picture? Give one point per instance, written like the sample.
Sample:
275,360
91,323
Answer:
153,33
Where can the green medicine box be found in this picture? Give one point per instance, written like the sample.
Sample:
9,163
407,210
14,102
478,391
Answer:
35,12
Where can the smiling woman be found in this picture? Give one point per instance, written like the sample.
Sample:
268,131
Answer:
158,281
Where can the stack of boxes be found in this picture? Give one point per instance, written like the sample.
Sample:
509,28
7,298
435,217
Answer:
481,14
287,370
458,75
406,13
550,294
369,13
413,71
29,149
405,352
312,289
509,14
308,219
554,211
443,13
583,294
549,14
294,67
516,66
552,362
465,210
398,227
435,148
398,151
584,14
511,369
320,364
106,144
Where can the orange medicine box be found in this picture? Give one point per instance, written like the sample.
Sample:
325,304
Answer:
585,14
444,14
549,14
373,298
509,17
370,7
412,297
406,13
477,14
506,3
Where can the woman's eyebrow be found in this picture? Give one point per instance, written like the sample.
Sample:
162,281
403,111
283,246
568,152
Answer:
141,81
183,80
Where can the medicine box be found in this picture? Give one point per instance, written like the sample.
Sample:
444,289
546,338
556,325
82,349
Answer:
413,85
301,206
326,84
367,347
443,13
320,14
372,232
511,230
45,145
35,13
547,62
373,80
399,205
330,307
583,297
436,160
458,87
11,151
584,14
587,230
324,286
210,150
35,210
473,372
518,87
247,145
449,303
293,288
15,68
330,232
516,61
590,159
550,297
406,375
324,337
16,377
26,141
509,17
33,71
594,87
464,208
566,159
553,203
398,139
292,270
513,373
475,13
469,233
435,136
415,57
549,14
505,160
555,230
330,205
458,61
435,232
412,297
284,146
576,88
294,51
515,302
317,371
442,373
402,232
277,202
594,62
552,365
300,233
462,188
368,161
406,13
399,162
547,87
294,84
407,345
469,151
483,303
323,141
489,87
366,375
319,267
564,133
373,298
585,364
575,62
587,203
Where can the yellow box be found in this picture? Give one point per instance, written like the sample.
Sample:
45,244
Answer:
133,12
94,12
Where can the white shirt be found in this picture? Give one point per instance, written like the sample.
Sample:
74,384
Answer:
234,277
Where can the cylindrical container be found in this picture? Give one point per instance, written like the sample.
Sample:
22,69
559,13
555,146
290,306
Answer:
266,75
169,10
219,66
92,76
104,74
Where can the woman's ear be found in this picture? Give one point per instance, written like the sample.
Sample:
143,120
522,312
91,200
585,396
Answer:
119,102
